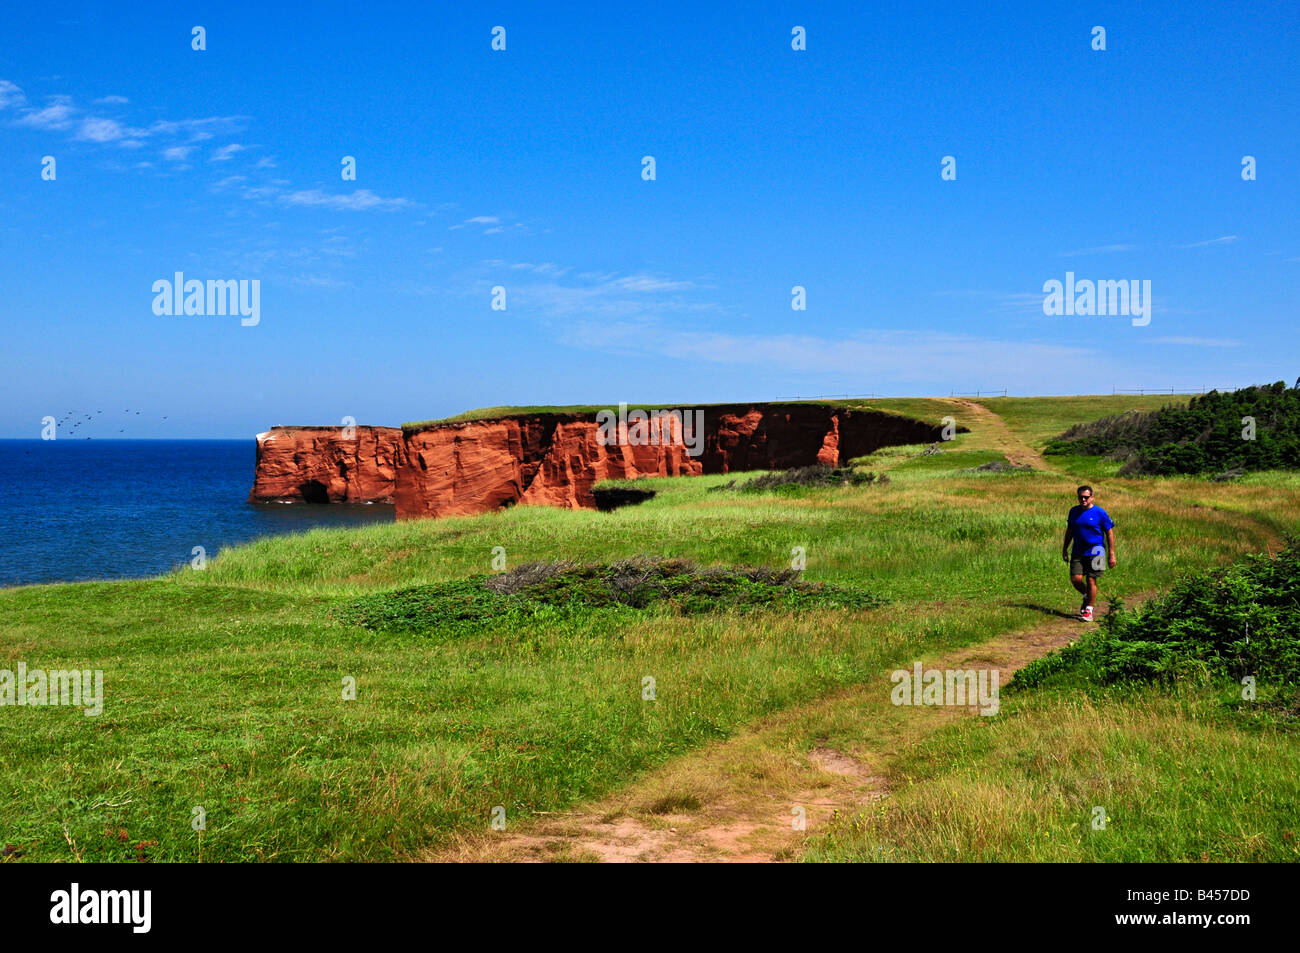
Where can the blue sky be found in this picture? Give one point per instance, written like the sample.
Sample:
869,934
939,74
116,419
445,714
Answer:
522,168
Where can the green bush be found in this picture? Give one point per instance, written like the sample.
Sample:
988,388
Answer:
1227,624
816,475
1203,436
541,590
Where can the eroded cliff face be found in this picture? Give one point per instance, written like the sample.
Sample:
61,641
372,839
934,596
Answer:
776,437
553,459
328,464
544,460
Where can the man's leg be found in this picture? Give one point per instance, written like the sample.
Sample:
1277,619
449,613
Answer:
1080,584
1092,591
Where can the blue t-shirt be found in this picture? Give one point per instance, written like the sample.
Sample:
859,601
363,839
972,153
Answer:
1088,529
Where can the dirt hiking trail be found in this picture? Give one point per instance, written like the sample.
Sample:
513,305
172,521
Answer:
739,800
994,430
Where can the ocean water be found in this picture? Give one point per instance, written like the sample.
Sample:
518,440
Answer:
73,510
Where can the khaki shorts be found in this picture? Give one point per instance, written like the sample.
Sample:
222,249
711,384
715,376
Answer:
1088,565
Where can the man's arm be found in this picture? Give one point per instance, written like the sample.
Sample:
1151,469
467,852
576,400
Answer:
1110,547
1065,545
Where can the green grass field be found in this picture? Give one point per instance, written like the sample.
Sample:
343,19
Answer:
224,688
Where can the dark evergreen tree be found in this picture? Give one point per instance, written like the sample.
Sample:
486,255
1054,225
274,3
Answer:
1255,428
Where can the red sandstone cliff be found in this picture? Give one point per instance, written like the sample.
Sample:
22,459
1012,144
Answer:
328,464
543,459
775,437
553,459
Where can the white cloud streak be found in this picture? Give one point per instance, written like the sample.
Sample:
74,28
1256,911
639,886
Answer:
62,115
1198,342
1223,240
10,95
358,201
898,355
226,153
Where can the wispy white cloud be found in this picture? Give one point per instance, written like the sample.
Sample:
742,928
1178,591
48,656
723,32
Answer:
485,220
61,114
256,192
901,355
318,281
549,291
648,284
360,200
1198,342
1223,240
57,115
227,152
311,264
1031,302
197,130
93,129
10,95
545,268
176,141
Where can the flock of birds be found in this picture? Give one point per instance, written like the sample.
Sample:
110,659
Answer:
88,418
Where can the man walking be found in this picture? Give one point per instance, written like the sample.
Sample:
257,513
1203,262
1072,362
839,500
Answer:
1092,532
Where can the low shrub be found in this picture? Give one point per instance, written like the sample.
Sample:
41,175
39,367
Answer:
1215,625
676,585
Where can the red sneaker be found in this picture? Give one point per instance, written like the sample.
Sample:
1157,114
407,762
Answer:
1086,614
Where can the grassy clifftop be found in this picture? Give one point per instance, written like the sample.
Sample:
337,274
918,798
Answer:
496,413
226,688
